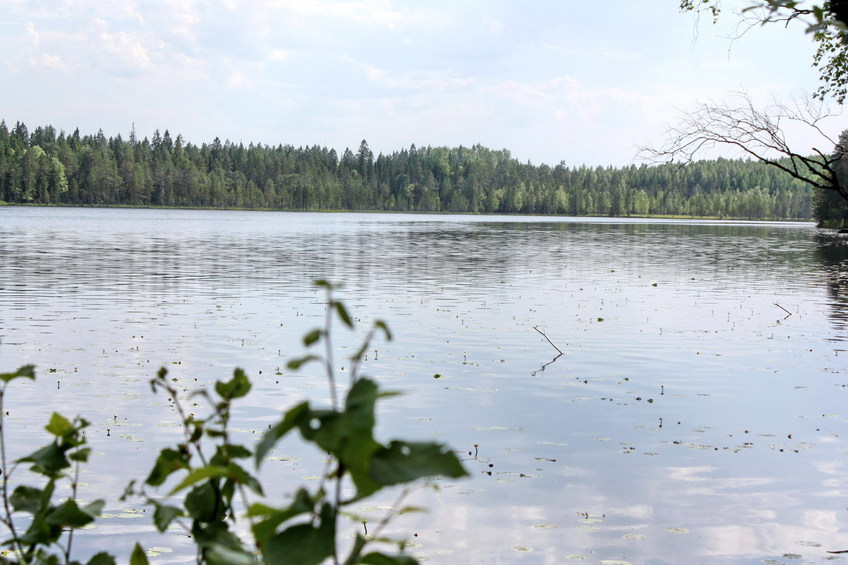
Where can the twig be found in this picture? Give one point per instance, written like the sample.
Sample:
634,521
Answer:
547,338
788,313
545,365
559,351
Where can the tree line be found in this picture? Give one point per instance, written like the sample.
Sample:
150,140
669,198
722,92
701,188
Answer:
49,167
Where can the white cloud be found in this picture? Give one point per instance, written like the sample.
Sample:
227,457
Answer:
120,51
238,80
53,62
379,14
548,81
279,55
32,35
414,81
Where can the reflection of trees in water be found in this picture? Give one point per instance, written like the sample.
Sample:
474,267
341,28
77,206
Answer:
832,252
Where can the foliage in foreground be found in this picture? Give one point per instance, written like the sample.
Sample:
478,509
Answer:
210,487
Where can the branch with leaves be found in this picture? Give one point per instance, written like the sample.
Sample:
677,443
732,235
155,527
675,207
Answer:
305,531
826,22
211,487
50,533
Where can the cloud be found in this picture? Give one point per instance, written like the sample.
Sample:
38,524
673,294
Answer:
120,51
413,81
279,55
372,14
238,80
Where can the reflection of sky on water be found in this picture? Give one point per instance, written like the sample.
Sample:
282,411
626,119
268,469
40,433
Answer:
690,418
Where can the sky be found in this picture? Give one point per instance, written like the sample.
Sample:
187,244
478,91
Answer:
550,80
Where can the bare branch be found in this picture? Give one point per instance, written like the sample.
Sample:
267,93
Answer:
757,133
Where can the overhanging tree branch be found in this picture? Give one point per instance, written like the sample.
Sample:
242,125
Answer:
759,134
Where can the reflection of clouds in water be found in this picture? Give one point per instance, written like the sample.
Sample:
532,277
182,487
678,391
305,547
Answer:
689,473
638,511
836,478
830,467
686,306
811,541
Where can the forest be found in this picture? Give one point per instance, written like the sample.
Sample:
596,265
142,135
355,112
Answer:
44,166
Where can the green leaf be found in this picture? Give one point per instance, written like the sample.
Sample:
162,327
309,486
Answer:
138,556
357,445
41,532
264,530
296,364
303,544
200,474
59,426
383,559
26,499
404,462
312,337
168,462
94,508
358,545
69,515
291,419
25,372
164,514
48,461
343,315
219,554
80,455
238,387
229,451
237,474
203,504
321,283
382,325
101,558
360,401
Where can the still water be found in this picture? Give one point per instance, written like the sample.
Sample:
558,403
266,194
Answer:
696,415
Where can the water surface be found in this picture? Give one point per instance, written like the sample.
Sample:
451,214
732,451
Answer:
697,414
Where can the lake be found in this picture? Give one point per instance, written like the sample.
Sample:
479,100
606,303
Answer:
697,413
